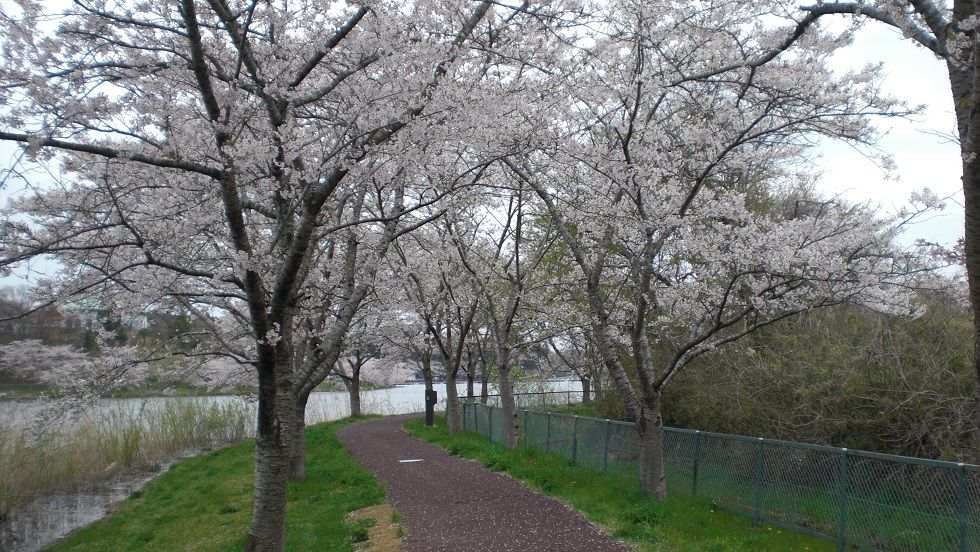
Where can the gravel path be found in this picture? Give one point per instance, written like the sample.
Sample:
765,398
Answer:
449,503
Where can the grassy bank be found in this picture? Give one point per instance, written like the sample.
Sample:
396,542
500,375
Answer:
21,390
204,503
682,523
108,443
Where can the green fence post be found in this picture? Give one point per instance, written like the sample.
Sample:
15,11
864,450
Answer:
697,461
758,483
490,423
605,449
483,426
524,425
574,440
842,522
961,504
548,442
464,415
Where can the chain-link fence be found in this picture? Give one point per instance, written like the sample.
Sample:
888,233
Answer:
532,400
868,500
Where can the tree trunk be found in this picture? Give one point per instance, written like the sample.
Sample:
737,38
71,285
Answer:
470,376
276,417
965,100
507,405
454,412
651,438
353,386
586,389
971,191
484,382
297,446
427,369
976,394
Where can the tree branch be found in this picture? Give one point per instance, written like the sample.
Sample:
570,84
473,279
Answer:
112,153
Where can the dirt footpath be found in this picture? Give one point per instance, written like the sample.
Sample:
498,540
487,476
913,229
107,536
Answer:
449,503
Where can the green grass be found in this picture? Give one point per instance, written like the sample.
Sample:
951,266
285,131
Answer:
35,390
880,513
21,390
681,523
204,503
578,409
180,390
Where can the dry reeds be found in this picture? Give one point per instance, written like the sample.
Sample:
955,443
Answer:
113,441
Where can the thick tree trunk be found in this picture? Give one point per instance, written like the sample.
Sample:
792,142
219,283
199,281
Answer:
963,85
297,445
507,405
651,437
971,191
276,417
353,386
454,411
586,389
976,393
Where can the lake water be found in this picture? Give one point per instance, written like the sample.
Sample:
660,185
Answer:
49,518
322,406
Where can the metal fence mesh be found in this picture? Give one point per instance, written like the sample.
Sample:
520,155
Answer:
855,498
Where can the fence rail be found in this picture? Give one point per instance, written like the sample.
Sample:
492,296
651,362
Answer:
854,498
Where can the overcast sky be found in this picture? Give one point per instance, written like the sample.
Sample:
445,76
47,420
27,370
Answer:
923,158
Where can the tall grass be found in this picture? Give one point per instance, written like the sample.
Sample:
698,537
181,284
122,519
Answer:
112,442
132,437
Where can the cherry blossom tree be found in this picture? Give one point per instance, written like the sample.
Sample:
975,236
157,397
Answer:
949,32
574,351
477,354
213,153
51,364
502,251
349,371
402,334
437,293
675,115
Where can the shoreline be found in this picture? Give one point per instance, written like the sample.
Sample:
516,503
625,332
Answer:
34,518
202,392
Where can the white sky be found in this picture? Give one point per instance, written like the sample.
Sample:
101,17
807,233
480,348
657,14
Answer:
923,158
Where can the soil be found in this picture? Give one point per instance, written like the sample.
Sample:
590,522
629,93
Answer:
383,534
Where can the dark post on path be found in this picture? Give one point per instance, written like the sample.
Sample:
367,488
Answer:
430,406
